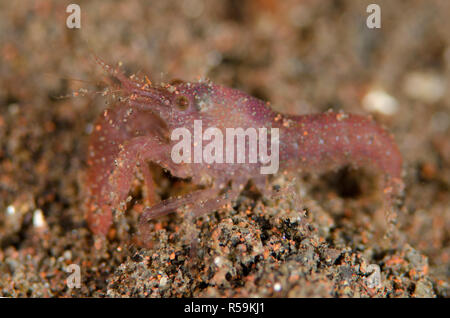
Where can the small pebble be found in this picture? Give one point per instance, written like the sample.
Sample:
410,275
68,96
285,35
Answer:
163,281
39,219
374,279
10,210
277,287
377,100
218,261
424,86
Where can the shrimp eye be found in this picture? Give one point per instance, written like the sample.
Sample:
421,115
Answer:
182,102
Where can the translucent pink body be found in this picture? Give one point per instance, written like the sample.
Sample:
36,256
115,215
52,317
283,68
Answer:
137,131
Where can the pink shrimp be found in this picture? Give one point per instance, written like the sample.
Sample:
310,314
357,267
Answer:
141,128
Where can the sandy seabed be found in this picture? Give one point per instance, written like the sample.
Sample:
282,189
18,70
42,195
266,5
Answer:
303,57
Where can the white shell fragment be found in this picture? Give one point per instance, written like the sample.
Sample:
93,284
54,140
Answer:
426,87
377,100
39,219
374,279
